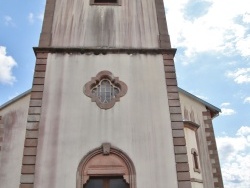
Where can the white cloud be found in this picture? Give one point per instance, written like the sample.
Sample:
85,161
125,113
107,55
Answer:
227,112
225,104
240,76
243,46
8,21
40,16
31,17
246,18
216,29
7,63
244,131
34,17
234,155
202,97
247,100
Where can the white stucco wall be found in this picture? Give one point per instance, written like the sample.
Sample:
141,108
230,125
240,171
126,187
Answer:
133,24
71,125
11,155
192,107
192,143
196,108
197,185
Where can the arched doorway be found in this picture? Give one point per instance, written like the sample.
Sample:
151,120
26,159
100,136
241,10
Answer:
106,167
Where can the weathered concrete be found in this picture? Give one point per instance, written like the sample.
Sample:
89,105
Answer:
71,125
78,24
14,124
192,111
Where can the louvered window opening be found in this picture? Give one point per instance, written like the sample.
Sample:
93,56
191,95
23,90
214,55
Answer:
105,1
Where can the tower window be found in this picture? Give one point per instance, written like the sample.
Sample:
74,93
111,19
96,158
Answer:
105,89
105,2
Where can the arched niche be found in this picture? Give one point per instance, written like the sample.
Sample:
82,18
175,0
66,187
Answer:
106,161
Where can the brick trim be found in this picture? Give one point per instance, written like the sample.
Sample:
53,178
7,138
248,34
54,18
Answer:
1,133
46,34
212,149
164,39
181,158
32,126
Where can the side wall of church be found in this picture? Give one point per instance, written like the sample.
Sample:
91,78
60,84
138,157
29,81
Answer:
192,111
195,174
71,125
14,118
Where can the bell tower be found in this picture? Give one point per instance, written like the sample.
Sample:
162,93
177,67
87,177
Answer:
104,107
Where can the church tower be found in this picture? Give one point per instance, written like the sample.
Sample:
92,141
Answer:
104,108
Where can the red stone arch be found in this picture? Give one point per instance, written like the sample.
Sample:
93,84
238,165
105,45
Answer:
106,161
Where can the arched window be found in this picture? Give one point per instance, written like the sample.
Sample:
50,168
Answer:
106,167
105,89
195,160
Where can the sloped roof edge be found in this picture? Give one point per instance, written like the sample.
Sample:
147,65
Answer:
15,99
208,105
211,107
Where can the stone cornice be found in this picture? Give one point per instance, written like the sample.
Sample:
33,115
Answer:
191,125
104,50
196,180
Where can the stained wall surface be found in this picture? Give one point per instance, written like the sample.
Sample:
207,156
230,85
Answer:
14,123
132,25
71,125
192,111
192,143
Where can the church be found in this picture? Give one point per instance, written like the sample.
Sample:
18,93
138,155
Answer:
105,109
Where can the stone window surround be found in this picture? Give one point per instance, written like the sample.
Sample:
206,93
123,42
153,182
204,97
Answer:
115,161
193,126
115,80
195,160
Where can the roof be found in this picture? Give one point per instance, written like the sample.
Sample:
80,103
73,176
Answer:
215,111
15,99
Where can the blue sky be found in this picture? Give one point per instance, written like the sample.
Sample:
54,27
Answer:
212,61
